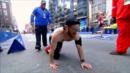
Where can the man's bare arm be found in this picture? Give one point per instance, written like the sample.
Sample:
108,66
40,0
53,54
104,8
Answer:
79,49
51,53
53,46
81,55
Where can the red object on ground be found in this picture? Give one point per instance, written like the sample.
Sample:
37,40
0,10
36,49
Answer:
47,49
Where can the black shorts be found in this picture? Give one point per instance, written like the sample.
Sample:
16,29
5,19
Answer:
58,47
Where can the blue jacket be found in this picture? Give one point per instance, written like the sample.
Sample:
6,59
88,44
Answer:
40,17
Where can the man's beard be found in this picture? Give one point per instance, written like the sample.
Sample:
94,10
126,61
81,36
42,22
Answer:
42,8
70,34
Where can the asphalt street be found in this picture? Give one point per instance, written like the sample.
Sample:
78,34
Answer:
96,52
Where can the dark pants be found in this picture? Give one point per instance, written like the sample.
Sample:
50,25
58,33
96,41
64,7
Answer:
41,31
57,49
115,31
1,49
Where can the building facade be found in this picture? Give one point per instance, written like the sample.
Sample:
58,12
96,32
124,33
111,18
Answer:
57,9
64,9
82,9
97,7
83,14
5,15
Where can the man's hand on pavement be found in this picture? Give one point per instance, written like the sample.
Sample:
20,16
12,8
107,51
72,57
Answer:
54,66
86,66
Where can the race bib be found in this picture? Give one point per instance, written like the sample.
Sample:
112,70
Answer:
126,2
44,14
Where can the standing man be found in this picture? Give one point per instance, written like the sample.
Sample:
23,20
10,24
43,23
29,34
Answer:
121,12
42,19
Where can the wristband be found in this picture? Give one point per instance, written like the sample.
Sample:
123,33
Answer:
82,60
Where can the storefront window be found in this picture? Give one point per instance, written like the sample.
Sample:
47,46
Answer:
4,5
5,13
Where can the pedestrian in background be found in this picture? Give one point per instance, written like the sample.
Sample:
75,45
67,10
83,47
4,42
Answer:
40,19
101,21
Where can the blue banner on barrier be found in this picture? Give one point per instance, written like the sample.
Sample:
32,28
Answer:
4,36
